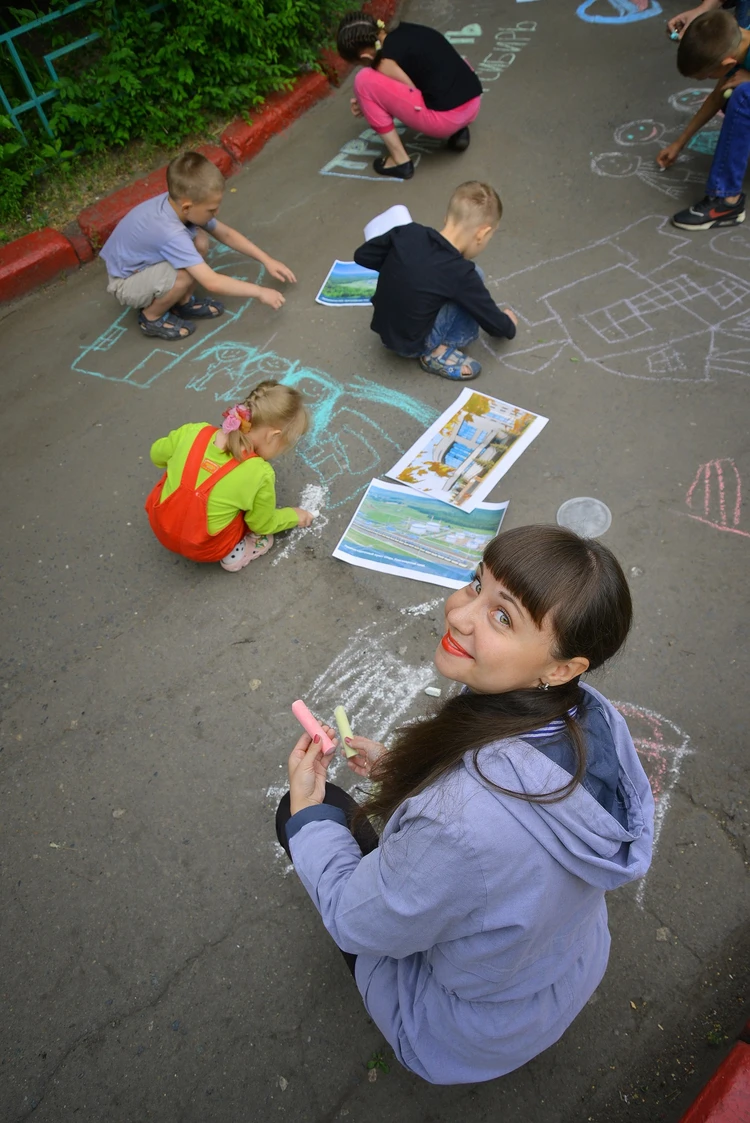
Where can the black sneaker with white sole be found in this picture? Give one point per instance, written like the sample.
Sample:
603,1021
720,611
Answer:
711,211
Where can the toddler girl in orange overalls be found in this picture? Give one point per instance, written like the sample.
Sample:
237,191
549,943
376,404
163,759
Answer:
217,498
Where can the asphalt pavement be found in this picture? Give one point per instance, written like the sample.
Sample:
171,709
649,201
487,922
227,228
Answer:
160,960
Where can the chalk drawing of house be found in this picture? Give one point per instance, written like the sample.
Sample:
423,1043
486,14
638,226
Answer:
107,357
644,303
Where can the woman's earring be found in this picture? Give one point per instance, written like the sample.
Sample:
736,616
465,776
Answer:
543,686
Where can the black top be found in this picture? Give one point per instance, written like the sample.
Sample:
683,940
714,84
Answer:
434,65
419,272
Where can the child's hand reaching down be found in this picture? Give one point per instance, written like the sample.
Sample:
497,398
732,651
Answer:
368,752
305,517
511,315
270,297
278,270
354,105
681,22
668,155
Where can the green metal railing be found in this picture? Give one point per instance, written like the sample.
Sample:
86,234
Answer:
36,100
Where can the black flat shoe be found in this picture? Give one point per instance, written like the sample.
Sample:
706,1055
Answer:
460,141
399,171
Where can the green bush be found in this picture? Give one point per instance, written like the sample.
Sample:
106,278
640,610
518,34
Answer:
161,75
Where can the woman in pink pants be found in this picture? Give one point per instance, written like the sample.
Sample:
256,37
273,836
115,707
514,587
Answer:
414,74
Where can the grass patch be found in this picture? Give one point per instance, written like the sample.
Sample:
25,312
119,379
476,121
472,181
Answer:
57,197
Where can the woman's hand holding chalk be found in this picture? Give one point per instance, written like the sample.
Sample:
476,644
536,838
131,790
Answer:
345,730
312,727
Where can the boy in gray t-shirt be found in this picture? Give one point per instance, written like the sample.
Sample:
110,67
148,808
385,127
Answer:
155,255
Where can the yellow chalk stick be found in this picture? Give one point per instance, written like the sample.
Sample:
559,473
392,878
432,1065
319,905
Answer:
345,729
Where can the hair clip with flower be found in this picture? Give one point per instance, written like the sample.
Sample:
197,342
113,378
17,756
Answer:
238,417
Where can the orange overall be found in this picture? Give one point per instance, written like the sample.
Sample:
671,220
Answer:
180,521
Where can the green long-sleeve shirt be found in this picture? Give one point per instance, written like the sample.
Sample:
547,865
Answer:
250,487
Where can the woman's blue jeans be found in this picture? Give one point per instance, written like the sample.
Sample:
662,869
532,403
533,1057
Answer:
733,149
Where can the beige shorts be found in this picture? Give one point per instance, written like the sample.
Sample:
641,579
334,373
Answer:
141,289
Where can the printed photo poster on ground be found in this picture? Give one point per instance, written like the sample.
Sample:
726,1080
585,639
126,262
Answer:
347,283
396,530
468,449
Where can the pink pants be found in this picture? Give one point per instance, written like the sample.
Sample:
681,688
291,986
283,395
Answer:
381,99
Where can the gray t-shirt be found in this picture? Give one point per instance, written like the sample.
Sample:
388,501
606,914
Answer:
148,234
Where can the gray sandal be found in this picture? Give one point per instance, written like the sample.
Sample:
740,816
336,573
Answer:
449,364
167,326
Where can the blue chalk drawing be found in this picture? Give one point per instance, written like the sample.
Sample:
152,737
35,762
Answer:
468,34
704,142
101,359
624,11
344,447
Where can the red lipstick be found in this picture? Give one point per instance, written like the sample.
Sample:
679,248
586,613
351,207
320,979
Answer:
453,648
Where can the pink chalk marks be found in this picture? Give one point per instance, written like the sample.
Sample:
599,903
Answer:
661,746
715,496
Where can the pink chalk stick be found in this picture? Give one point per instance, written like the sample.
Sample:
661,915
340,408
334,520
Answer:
310,725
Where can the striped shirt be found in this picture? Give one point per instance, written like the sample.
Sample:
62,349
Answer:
551,729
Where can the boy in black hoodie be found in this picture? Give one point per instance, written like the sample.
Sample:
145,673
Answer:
431,299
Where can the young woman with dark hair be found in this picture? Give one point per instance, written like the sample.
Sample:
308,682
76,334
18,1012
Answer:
411,73
476,925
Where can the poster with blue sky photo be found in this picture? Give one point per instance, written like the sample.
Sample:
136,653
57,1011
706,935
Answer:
396,530
347,283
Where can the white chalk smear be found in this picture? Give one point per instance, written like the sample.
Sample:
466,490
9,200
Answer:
313,498
282,859
421,609
274,793
374,685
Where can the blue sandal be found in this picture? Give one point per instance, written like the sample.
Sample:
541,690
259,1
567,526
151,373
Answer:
199,308
168,326
449,364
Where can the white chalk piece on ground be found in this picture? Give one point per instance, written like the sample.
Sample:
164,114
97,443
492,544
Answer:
433,691
382,223
586,516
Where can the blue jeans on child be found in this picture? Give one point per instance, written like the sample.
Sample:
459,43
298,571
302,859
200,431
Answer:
453,326
733,148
